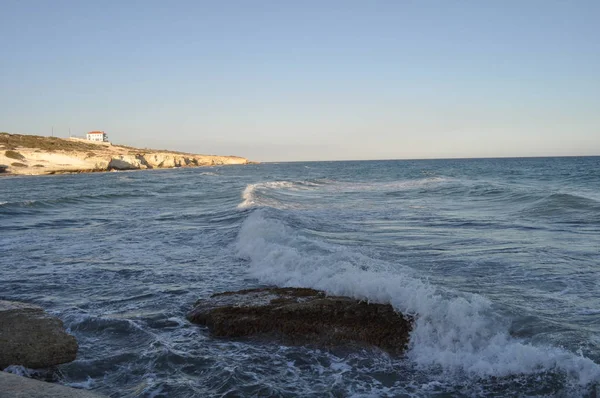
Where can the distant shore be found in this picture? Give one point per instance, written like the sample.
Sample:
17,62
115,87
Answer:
36,155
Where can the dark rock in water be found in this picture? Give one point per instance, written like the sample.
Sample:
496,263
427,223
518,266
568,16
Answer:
32,338
303,316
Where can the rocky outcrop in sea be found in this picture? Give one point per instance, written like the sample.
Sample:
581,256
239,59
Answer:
303,316
30,337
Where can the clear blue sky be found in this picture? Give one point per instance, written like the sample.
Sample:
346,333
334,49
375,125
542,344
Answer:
308,80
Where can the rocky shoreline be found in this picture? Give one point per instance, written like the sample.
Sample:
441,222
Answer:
31,338
14,386
35,155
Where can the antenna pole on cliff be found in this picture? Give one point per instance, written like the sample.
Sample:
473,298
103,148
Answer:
52,131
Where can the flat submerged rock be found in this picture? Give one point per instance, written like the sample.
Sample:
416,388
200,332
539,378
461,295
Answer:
303,316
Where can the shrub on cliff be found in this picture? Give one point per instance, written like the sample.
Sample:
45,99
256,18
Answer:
17,164
14,155
49,144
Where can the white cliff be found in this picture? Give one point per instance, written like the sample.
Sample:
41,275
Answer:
34,155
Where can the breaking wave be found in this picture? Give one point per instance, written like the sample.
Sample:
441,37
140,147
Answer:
265,194
249,194
453,332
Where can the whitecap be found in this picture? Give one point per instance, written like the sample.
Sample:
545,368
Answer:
453,331
256,195
251,199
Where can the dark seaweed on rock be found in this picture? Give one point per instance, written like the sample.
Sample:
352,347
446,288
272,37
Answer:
303,316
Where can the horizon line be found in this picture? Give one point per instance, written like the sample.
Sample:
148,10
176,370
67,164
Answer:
449,158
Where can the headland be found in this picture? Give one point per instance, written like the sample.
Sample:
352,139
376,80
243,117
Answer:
37,155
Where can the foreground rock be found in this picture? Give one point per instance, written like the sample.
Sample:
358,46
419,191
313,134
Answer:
303,316
32,338
14,386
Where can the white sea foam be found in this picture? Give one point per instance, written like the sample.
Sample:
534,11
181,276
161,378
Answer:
88,384
454,332
254,195
20,370
251,199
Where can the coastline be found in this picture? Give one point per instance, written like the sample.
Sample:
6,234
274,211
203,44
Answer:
35,155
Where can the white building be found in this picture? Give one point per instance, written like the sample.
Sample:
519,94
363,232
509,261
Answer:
97,136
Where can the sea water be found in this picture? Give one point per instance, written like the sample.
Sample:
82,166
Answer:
498,260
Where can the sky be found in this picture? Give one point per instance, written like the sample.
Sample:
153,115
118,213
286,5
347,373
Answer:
308,80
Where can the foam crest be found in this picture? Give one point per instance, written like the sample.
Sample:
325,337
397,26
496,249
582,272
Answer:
455,332
251,196
256,195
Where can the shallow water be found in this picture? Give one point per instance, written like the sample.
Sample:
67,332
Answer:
498,258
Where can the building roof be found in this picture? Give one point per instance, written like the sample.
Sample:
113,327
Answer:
96,132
